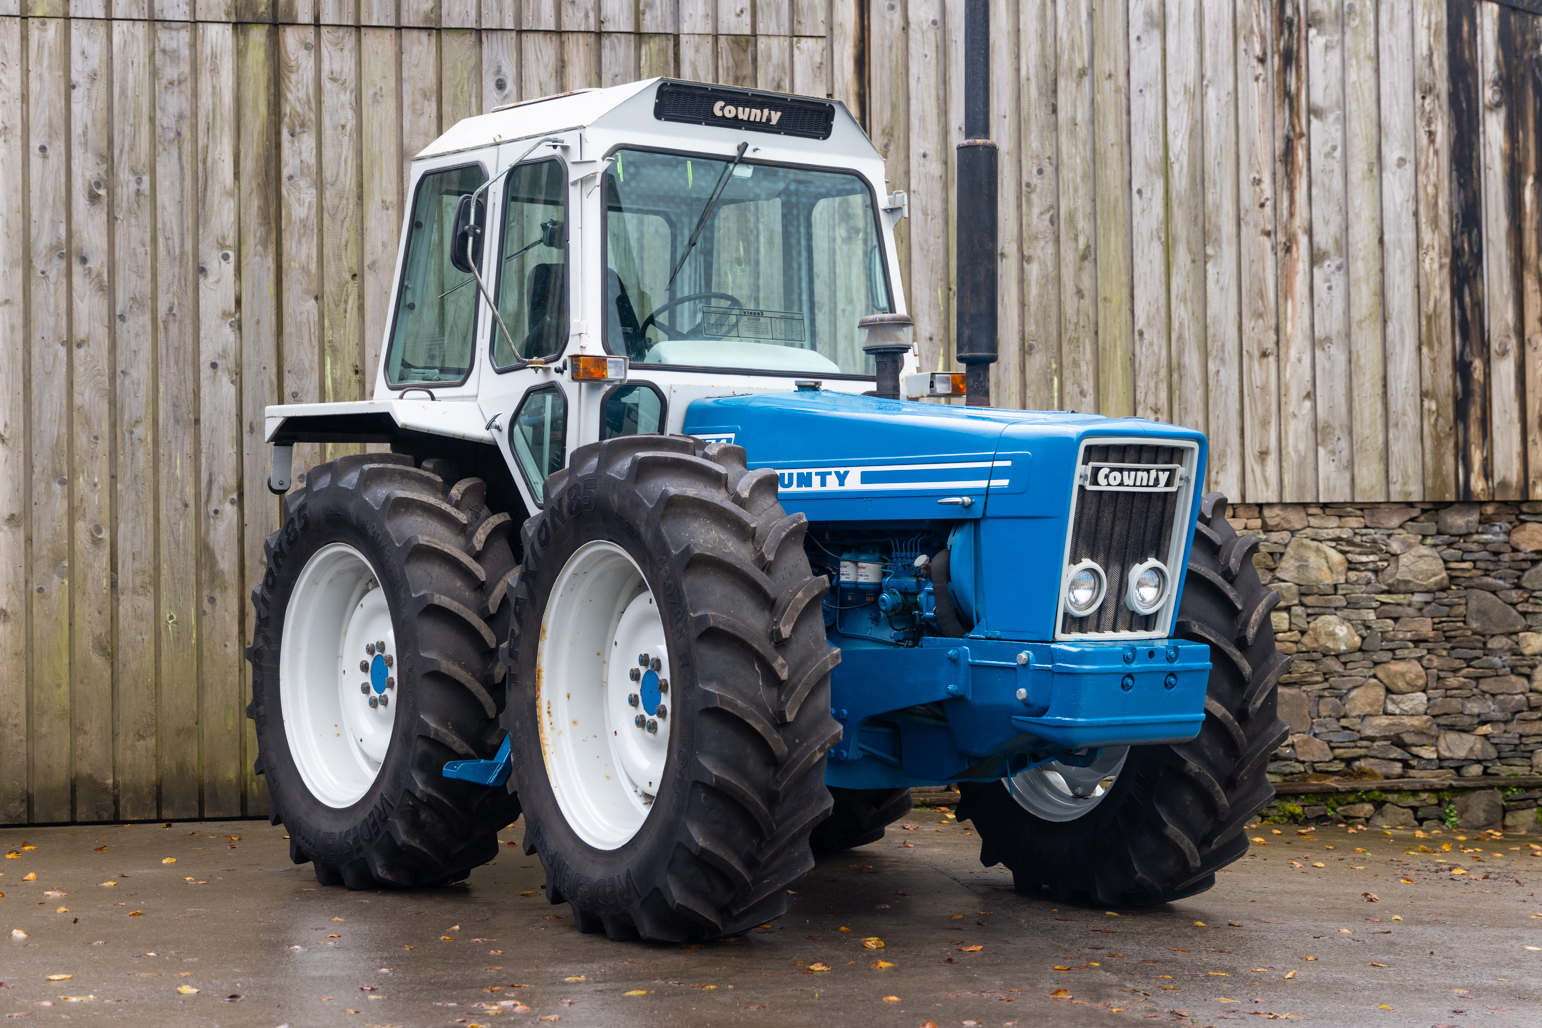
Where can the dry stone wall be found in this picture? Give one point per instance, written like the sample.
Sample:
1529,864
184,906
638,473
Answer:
1416,631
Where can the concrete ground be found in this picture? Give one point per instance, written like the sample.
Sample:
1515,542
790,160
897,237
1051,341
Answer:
209,924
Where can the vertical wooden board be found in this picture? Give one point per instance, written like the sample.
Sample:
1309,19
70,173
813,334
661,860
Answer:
773,17
812,17
380,218
299,199
83,9
49,385
342,343
656,56
1186,216
618,58
1527,157
1501,250
377,12
418,13
1111,186
297,12
134,428
1007,375
688,17
459,14
1148,211
14,282
580,60
460,75
773,63
1400,250
618,15
179,10
735,18
1362,248
500,71
500,14
176,312
736,61
1293,220
540,64
1223,300
420,94
1037,69
204,10
538,15
1474,469
246,11
1256,257
810,66
1432,166
698,58
1078,268
336,12
928,181
850,47
578,15
258,277
668,16
90,355
220,596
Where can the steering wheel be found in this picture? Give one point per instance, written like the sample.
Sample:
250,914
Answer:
670,330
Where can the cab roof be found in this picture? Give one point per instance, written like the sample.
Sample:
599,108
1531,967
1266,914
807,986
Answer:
627,110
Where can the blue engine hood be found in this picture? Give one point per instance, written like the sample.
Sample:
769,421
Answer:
864,460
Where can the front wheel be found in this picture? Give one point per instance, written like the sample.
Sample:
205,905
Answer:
669,693
1149,824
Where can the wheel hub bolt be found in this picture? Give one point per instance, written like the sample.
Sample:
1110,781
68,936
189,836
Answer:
663,685
373,703
390,683
634,699
642,660
380,646
653,726
369,649
364,687
662,711
385,701
364,666
387,659
656,665
639,721
635,674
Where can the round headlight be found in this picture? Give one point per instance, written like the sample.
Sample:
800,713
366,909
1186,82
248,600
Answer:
1084,588
1148,587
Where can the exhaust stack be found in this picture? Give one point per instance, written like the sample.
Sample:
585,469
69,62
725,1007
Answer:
975,274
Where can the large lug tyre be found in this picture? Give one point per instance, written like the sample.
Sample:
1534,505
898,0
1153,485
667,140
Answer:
353,739
859,817
664,556
1171,816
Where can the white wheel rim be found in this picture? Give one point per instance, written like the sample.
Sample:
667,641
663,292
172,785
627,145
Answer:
601,623
1060,792
336,620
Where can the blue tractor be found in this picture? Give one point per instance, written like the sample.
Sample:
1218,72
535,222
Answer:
659,540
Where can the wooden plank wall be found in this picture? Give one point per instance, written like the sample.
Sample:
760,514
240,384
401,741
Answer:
1306,227
1311,228
194,224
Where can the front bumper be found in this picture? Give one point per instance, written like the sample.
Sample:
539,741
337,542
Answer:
999,698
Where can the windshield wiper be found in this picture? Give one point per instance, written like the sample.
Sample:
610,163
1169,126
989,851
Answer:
701,223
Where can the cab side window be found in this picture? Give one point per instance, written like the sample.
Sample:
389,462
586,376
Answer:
434,327
532,276
538,436
632,410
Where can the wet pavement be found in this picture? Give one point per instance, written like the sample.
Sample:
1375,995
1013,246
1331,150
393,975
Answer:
209,924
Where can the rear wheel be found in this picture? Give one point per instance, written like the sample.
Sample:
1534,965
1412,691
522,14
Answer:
669,693
374,663
859,817
1154,823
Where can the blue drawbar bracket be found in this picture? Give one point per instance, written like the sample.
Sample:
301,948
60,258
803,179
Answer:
484,772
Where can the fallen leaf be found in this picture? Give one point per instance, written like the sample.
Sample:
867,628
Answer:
17,933
30,876
636,992
186,990
1458,871
1224,999
1290,975
970,949
1200,924
60,977
1371,897
550,1017
576,978
891,999
884,963
819,967
168,860
1060,994
1385,1006
1407,881
1318,863
873,943
108,885
136,913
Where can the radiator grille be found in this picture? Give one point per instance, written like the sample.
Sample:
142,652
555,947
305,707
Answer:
1120,530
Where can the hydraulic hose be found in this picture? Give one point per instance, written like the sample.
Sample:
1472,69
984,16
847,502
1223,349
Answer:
948,620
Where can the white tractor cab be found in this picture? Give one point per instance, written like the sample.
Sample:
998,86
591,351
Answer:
632,249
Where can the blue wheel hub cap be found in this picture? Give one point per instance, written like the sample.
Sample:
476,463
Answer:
649,691
378,673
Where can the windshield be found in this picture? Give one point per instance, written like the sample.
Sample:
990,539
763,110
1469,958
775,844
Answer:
784,265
